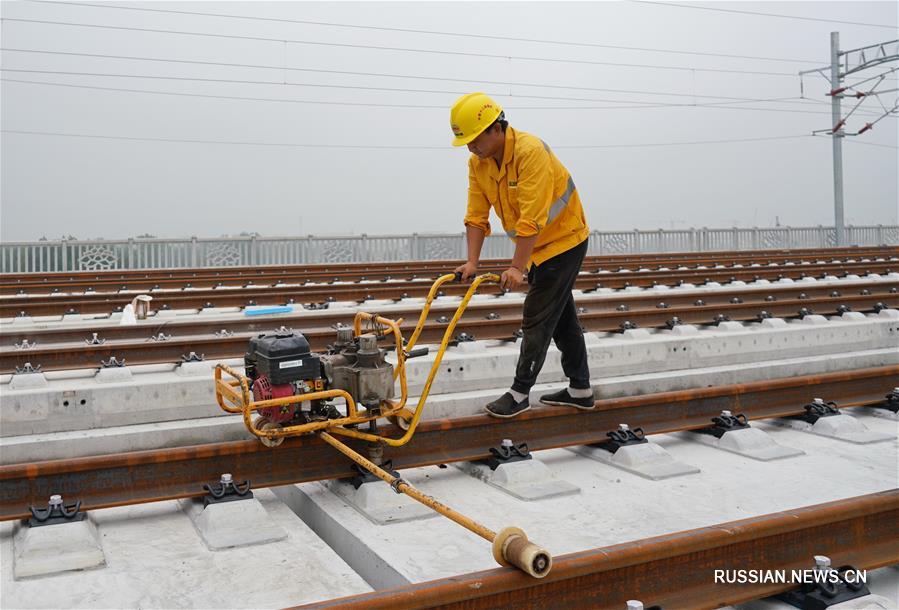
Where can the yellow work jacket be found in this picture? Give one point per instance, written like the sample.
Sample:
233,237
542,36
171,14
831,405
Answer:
532,194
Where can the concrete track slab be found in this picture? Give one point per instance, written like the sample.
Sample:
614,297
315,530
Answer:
221,427
155,559
613,506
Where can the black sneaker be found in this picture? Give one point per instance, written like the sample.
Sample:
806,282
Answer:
563,399
505,406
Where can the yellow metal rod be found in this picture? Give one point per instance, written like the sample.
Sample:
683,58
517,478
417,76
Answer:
403,487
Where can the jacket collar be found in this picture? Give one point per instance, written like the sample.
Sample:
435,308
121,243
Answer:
508,150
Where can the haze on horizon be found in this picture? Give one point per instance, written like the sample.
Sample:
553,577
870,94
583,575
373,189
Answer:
236,130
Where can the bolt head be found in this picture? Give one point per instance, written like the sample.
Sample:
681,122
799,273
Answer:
56,500
507,442
226,478
726,413
819,401
822,561
623,427
634,604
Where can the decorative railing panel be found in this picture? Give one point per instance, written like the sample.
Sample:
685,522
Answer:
72,255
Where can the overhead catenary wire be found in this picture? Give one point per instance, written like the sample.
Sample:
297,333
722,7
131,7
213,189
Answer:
374,146
402,49
853,141
284,82
760,14
422,31
356,73
648,105
371,74
392,89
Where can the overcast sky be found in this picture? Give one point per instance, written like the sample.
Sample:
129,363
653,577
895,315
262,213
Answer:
340,137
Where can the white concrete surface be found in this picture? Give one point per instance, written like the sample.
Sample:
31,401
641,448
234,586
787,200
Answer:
377,502
56,445
750,442
77,400
613,506
841,427
526,480
54,548
156,559
647,460
230,524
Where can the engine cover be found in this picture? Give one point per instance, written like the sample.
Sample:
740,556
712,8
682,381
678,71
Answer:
283,357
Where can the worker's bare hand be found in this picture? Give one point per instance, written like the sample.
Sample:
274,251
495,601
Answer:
468,270
511,279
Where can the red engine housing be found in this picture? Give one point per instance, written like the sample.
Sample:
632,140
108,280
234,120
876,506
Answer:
264,390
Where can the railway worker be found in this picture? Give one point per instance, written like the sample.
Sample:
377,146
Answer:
535,199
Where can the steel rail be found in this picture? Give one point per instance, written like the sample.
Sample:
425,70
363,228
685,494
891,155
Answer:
144,279
99,303
672,571
147,476
261,278
200,325
65,356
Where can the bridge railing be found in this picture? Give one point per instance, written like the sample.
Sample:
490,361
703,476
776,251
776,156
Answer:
152,253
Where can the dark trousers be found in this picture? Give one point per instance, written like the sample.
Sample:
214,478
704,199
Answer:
550,314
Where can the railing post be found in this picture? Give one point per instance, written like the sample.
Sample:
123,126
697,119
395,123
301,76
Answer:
789,239
735,238
194,255
880,239
253,246
64,248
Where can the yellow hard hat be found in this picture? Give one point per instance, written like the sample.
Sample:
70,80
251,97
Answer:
471,114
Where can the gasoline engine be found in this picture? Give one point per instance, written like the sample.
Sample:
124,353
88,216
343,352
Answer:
280,364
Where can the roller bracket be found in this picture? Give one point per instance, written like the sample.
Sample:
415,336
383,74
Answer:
725,423
831,588
56,512
95,340
24,370
622,437
817,409
112,363
508,452
395,485
675,321
226,490
363,476
892,401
